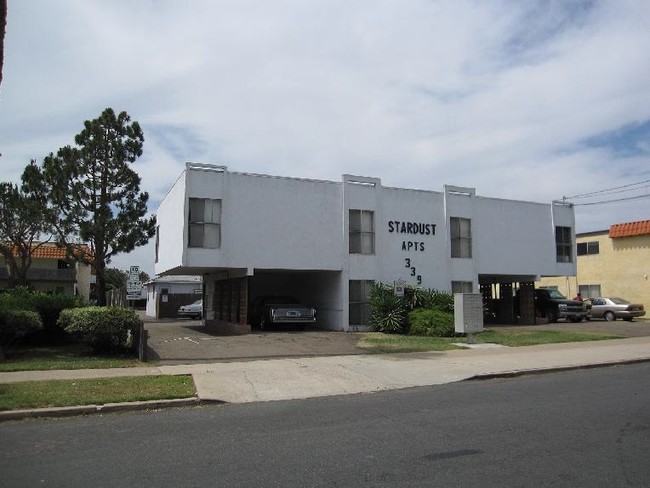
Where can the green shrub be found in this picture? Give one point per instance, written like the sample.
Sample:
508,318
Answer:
429,298
432,323
388,312
16,324
18,298
47,305
105,329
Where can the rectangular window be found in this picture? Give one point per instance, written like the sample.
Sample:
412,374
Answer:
462,287
589,291
461,237
360,302
362,232
205,223
157,241
563,245
584,248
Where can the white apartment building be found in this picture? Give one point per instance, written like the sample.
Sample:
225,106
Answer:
326,242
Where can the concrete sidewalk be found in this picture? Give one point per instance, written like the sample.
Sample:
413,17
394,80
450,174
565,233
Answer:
297,378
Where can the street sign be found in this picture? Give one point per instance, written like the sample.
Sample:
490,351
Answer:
133,285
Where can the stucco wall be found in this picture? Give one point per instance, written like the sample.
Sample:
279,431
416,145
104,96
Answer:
621,268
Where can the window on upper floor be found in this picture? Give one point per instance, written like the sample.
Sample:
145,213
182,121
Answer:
362,232
584,248
204,223
461,237
563,245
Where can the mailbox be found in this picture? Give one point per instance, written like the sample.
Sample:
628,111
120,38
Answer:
468,312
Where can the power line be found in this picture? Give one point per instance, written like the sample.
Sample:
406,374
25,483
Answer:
611,201
609,190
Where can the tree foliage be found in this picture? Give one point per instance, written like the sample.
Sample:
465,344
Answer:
95,192
23,222
116,278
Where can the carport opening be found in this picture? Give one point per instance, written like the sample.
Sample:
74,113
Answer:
310,289
507,302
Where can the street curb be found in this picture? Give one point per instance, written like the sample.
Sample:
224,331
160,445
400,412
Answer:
540,371
95,409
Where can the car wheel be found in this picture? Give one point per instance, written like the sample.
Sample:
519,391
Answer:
551,316
609,316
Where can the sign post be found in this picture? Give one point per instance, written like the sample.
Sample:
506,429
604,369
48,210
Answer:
133,285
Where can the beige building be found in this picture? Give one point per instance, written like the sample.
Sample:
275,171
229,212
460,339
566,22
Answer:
51,271
613,262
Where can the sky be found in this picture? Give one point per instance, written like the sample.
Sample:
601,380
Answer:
520,99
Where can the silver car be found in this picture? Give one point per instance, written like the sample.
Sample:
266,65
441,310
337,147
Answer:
193,310
612,308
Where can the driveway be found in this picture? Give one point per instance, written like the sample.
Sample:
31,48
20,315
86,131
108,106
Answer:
185,341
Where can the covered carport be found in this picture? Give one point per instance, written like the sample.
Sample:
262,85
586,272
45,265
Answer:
508,299
229,294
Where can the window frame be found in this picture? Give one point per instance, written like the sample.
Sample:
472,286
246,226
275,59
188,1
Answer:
199,224
460,237
361,237
587,248
563,244
359,302
462,287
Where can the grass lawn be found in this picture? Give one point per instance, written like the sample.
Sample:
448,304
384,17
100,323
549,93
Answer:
512,337
376,342
68,356
63,393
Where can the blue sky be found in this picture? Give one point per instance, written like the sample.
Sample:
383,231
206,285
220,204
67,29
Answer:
528,100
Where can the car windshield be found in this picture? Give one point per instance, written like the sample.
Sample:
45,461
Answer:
619,301
556,294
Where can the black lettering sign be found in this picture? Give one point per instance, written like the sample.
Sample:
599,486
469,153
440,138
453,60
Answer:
412,228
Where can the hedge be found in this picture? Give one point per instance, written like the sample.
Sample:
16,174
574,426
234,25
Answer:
111,330
432,323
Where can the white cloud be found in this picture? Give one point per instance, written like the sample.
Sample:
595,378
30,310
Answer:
496,95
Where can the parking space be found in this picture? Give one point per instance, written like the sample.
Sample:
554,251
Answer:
185,341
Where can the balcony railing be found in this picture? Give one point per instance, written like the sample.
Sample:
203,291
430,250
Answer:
52,275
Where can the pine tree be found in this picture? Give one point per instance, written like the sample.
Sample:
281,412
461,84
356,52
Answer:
95,191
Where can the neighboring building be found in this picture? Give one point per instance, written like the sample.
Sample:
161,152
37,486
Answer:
165,294
614,262
326,242
52,271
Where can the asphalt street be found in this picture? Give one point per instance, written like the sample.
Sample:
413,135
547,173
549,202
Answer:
574,429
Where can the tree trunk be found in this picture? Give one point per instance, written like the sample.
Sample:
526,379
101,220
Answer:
100,270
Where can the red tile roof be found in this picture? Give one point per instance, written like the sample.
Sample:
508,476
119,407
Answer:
629,229
52,251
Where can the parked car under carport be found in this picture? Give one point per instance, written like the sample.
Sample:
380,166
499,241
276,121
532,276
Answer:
193,310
